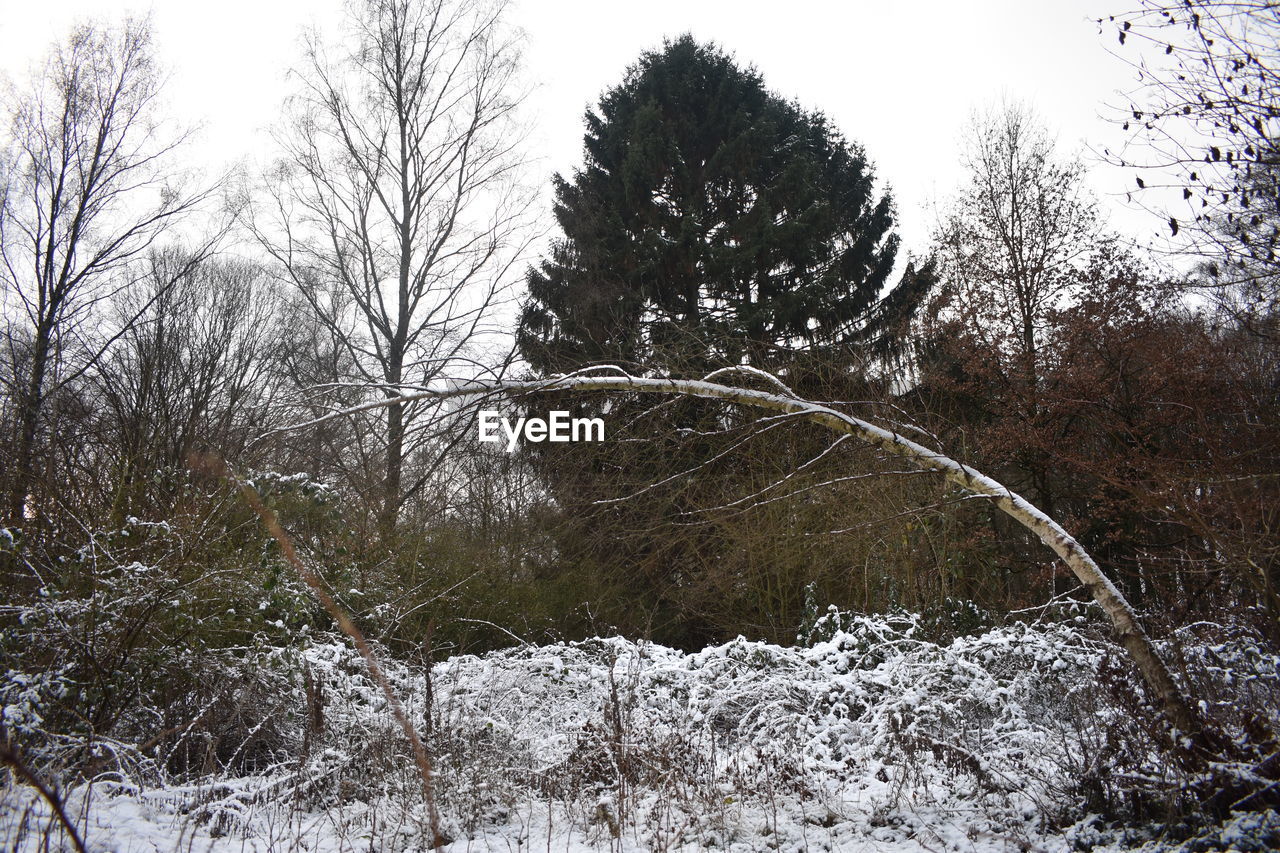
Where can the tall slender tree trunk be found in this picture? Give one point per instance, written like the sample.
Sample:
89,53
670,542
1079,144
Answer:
390,509
399,340
389,512
32,402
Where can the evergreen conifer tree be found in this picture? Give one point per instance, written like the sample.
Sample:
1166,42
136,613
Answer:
712,223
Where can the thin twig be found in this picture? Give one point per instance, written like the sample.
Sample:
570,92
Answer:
9,755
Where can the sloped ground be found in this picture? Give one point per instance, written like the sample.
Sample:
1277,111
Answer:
872,738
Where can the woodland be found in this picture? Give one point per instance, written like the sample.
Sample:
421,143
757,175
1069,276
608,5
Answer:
970,545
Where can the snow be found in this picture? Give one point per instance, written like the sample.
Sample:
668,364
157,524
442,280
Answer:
871,738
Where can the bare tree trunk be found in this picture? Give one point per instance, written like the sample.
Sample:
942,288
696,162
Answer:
395,468
30,404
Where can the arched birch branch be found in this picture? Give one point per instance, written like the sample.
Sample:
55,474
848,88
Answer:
1124,620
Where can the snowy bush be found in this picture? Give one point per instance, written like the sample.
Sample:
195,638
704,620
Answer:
1023,734
138,652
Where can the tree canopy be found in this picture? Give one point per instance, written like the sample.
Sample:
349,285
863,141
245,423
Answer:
712,222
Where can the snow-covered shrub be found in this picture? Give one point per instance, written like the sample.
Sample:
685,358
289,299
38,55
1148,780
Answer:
872,712
872,734
136,651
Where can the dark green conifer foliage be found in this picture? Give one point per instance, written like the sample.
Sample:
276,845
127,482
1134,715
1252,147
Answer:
712,222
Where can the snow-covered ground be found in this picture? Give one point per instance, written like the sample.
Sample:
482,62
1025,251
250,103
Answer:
871,738
155,821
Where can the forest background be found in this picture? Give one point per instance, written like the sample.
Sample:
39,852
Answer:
162,320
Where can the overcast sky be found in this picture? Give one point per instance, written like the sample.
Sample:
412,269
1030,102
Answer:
900,78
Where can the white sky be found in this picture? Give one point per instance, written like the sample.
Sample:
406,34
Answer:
901,78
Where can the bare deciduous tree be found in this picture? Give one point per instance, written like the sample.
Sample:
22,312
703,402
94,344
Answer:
396,211
1011,250
197,375
1202,123
1018,228
87,191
